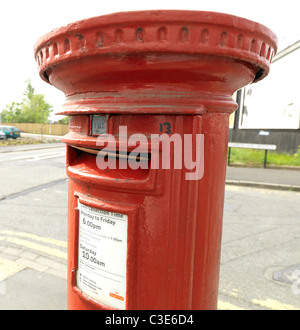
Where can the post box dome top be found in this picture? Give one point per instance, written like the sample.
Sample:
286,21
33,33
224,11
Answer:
159,31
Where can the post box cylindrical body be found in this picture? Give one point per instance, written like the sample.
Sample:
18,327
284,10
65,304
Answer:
149,95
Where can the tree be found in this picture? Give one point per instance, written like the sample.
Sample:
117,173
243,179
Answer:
33,108
11,113
64,121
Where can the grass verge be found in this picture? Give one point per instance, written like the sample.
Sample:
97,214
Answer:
256,157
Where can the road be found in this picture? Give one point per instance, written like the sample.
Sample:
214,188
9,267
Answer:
260,261
33,231
28,169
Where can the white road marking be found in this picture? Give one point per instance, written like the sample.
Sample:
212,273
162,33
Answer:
32,158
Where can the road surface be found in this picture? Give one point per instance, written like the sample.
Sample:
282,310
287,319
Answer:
33,230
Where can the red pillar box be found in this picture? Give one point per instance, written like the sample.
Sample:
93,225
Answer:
149,95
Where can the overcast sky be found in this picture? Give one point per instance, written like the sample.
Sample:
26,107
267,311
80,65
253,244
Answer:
23,22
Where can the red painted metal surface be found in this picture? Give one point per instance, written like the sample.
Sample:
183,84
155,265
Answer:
143,69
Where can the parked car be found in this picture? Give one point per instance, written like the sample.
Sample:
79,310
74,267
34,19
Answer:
10,131
2,136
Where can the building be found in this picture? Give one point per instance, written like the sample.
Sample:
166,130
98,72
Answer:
269,112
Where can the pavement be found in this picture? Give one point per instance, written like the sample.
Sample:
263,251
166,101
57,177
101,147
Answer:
271,178
260,260
30,147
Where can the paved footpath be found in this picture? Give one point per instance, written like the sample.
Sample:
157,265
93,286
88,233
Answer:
33,249
29,147
285,179
260,259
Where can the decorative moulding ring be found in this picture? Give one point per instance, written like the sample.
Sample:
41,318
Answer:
167,31
173,58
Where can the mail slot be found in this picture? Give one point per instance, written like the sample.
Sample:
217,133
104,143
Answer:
149,96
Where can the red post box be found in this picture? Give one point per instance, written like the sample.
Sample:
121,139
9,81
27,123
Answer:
144,234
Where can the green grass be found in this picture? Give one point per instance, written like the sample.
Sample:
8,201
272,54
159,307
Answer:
256,157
